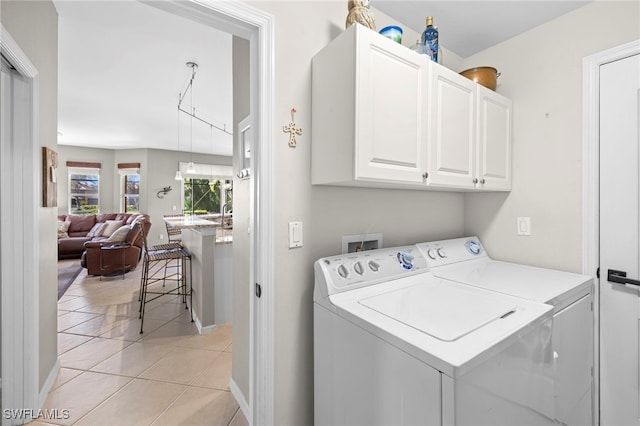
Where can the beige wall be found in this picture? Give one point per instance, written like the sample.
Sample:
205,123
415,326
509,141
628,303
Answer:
34,26
404,217
241,242
542,73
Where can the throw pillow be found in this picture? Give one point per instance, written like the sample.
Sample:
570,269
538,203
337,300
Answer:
96,231
120,234
109,227
63,228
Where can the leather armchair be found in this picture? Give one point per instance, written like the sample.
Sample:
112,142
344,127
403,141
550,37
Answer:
105,262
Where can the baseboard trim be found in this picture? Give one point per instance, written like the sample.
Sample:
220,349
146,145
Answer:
237,394
48,384
201,329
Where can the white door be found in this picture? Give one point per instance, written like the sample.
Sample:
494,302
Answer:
18,229
619,242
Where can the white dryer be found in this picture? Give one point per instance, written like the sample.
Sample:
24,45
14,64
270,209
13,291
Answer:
394,345
465,260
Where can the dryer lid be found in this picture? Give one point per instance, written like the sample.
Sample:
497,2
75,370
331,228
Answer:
444,311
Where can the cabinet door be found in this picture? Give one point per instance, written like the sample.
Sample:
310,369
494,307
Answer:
452,129
494,140
391,111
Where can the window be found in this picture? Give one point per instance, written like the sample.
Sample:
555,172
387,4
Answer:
129,187
202,196
84,191
131,193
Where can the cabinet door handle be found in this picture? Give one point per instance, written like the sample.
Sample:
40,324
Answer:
482,181
475,180
620,277
425,175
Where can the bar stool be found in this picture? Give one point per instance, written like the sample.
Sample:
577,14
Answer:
174,234
155,263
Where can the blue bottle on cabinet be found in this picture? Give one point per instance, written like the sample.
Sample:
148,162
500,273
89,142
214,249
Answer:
430,38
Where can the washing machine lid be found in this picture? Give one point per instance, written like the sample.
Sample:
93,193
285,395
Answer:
422,311
529,282
443,311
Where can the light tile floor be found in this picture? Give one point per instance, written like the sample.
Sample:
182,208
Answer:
112,375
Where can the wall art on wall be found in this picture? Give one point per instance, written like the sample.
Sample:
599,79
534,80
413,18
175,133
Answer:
49,179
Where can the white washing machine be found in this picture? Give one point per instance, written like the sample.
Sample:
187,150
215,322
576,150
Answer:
394,345
465,260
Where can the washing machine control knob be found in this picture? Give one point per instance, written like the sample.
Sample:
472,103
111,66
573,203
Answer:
405,259
358,268
431,254
442,253
374,266
343,271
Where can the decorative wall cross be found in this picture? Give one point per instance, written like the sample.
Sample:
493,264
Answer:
292,130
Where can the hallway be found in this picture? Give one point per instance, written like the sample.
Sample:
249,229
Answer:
110,374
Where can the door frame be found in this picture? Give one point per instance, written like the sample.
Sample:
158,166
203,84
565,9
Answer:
591,182
20,279
250,23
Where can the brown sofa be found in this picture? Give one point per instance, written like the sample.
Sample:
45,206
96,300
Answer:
81,243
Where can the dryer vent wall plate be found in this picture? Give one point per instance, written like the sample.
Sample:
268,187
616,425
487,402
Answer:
361,242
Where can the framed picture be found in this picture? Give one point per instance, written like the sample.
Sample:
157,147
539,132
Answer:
49,178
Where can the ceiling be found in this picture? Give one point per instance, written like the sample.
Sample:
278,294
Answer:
122,66
468,27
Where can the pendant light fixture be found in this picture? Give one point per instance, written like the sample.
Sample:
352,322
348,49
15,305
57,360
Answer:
178,172
191,169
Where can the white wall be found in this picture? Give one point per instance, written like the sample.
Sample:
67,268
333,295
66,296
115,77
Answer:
241,205
542,73
34,26
404,217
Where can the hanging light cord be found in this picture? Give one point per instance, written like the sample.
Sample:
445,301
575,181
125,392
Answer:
192,113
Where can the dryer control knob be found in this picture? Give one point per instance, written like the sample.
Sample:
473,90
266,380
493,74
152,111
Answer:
358,268
343,271
374,266
431,254
442,253
405,259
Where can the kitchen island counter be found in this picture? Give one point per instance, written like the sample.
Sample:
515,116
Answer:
211,261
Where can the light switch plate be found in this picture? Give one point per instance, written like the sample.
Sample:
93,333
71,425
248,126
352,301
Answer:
295,234
524,226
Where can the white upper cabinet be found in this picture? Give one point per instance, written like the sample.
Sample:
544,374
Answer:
494,140
452,139
384,116
369,112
